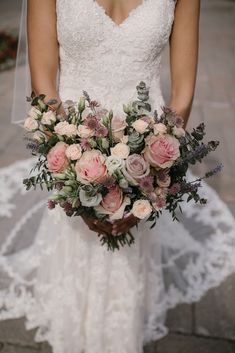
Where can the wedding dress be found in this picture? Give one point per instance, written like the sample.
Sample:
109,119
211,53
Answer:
79,296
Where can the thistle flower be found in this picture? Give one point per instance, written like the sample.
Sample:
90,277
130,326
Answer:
101,131
91,122
174,189
59,185
146,184
85,144
51,204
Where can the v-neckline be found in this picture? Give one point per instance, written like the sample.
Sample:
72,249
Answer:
109,18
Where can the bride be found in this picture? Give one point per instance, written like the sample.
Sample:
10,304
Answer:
80,297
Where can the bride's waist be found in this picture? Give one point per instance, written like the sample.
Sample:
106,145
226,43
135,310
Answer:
111,95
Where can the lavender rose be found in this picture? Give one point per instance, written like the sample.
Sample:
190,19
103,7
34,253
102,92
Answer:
135,168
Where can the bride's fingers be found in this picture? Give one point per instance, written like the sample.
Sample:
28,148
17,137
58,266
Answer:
103,227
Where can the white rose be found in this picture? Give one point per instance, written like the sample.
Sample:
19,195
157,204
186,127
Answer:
140,126
178,131
141,209
85,132
64,128
74,152
159,129
114,163
48,118
89,201
120,150
30,124
34,113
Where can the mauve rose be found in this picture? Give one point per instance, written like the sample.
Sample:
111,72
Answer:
91,168
162,151
118,126
135,168
112,201
56,158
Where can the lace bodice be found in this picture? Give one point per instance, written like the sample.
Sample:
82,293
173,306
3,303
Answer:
106,59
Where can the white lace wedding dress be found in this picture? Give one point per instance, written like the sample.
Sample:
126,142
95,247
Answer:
81,297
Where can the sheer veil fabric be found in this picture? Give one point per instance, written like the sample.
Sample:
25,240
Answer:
79,296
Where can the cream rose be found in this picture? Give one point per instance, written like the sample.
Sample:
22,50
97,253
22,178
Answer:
118,126
74,152
48,118
140,126
159,129
141,209
85,132
120,150
30,124
64,128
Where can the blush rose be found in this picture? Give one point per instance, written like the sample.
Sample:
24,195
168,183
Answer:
162,151
56,158
91,167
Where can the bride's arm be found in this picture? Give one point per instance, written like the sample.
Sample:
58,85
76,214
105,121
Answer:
184,55
43,47
44,61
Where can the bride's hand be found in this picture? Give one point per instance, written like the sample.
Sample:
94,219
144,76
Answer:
100,227
124,225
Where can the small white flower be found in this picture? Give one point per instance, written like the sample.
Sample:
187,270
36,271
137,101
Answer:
123,183
74,152
30,124
114,163
34,113
178,131
160,129
39,136
89,201
120,150
48,118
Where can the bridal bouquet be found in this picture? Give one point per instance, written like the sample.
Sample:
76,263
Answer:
108,166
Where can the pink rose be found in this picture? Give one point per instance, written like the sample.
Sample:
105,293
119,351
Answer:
112,201
91,168
56,158
162,151
118,126
140,126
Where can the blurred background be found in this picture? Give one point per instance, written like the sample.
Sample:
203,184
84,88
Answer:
209,325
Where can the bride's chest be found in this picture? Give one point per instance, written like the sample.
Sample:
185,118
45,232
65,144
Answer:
83,25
